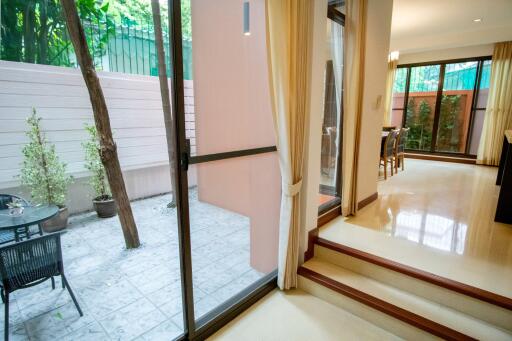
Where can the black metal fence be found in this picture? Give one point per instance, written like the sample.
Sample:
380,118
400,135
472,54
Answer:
116,45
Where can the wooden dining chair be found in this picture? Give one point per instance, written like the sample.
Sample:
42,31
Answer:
387,153
401,140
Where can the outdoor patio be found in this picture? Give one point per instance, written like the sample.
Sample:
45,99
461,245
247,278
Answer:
136,294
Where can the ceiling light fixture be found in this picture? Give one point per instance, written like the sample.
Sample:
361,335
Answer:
247,14
394,55
477,20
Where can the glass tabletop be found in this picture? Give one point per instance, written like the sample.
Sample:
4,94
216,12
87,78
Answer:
31,215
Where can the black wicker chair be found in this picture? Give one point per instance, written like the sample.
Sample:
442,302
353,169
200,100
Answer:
29,263
20,233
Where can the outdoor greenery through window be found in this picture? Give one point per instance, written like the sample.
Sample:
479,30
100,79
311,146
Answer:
443,104
120,34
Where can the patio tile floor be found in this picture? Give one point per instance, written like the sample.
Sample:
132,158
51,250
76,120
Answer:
136,294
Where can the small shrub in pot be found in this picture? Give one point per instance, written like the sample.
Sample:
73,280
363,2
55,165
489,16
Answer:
44,174
103,203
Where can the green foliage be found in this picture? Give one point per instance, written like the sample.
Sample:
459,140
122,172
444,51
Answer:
419,119
93,164
34,31
448,133
420,123
42,171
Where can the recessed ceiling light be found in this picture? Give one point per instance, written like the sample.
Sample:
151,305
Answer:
477,20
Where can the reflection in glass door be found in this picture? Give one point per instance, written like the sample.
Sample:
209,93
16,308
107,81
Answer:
330,157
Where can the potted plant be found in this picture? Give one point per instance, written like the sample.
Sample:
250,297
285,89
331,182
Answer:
103,203
45,174
16,207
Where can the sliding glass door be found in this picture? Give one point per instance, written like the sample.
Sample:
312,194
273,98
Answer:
330,156
229,178
443,104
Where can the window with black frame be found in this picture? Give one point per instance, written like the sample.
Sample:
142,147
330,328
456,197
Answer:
443,104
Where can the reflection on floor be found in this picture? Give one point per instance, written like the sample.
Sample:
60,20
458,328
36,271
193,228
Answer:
296,315
136,294
441,218
324,198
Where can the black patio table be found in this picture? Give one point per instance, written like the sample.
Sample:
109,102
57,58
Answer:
32,215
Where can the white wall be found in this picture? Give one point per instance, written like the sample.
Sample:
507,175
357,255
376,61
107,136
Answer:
378,31
446,54
61,99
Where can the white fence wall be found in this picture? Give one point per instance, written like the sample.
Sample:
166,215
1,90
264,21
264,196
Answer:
60,97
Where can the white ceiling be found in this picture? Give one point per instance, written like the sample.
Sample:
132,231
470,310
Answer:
420,25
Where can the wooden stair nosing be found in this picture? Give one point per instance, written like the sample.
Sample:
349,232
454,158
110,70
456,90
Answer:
426,276
401,314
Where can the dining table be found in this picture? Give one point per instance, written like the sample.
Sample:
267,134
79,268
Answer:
32,215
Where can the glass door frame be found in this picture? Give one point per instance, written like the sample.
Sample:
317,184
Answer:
334,205
437,111
212,321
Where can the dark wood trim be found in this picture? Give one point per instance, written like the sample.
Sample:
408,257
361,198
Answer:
328,216
401,314
312,237
461,288
406,96
476,92
226,312
446,61
437,110
232,154
180,171
443,158
445,154
367,201
327,206
335,15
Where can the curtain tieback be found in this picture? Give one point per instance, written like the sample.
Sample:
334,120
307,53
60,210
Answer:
292,190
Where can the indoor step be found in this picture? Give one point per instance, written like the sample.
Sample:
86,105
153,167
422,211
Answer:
400,312
478,303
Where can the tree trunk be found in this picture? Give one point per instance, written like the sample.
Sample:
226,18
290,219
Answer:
108,149
29,25
43,32
164,92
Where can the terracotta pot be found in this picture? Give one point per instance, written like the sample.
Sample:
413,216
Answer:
105,208
57,223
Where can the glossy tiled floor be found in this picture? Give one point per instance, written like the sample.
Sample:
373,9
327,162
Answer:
437,216
136,294
296,315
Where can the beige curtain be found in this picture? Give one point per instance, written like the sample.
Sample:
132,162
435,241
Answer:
388,101
355,36
289,41
498,116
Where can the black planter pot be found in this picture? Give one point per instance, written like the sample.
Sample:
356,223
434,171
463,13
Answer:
105,208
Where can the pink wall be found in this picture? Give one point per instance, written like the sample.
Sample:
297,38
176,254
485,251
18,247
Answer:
232,107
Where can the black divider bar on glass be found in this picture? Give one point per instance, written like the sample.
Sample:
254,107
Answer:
230,155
